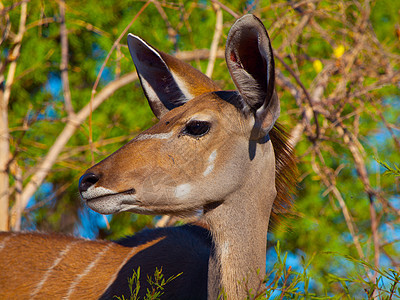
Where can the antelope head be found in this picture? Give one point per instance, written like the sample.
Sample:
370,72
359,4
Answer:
207,144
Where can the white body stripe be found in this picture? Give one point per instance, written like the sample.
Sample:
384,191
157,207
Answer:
4,242
48,272
130,254
86,271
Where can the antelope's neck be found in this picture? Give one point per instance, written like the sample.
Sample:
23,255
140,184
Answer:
239,228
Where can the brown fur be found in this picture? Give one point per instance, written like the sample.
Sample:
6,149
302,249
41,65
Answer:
286,173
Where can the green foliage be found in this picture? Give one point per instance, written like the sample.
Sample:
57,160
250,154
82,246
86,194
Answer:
395,170
282,282
134,286
157,284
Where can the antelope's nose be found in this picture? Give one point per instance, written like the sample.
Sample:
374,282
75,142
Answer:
86,181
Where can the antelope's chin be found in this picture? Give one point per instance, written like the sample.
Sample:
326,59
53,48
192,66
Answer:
111,204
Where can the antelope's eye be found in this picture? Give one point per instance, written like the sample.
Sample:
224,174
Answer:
196,128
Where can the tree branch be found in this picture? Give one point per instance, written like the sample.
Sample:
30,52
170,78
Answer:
72,124
226,8
4,131
64,60
215,40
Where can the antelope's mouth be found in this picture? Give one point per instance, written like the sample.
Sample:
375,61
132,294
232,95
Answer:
99,193
110,202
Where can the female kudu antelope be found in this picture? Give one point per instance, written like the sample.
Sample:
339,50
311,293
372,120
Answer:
218,153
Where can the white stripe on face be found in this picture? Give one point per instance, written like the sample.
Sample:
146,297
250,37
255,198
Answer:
183,190
211,160
159,136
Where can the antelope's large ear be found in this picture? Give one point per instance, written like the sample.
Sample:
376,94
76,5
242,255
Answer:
251,64
166,81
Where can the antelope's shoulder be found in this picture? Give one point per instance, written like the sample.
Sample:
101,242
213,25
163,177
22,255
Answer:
182,250
185,245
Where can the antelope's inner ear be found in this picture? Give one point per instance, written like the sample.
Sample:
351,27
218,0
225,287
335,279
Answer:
166,81
158,83
250,61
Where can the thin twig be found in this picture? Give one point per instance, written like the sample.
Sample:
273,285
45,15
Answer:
215,40
123,33
64,60
172,34
13,57
226,8
328,180
389,128
360,166
283,290
306,93
10,8
50,198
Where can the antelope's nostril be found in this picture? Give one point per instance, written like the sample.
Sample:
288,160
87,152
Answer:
86,181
